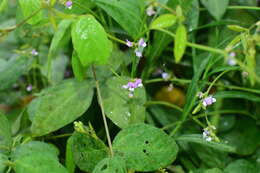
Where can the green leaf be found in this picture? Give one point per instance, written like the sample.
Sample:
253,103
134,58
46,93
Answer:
111,165
3,5
5,134
70,165
29,7
244,136
180,42
3,159
196,138
87,151
216,8
145,148
237,28
38,163
34,147
90,41
57,39
127,13
78,69
240,166
58,68
119,107
59,105
37,157
163,21
13,69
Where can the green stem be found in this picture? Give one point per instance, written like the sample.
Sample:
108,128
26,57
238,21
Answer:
116,39
148,103
102,111
194,45
215,80
237,7
186,81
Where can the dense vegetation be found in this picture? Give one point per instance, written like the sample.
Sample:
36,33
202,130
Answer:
124,86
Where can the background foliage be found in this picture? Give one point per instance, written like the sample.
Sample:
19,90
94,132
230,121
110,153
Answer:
123,86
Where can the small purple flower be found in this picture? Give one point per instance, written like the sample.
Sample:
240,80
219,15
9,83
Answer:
69,4
231,59
208,101
232,54
29,88
165,76
138,53
34,52
150,11
132,85
142,43
129,43
200,95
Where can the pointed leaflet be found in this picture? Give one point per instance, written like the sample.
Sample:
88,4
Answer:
163,21
145,148
119,107
90,41
79,70
216,8
12,70
180,42
59,105
87,150
5,134
29,7
127,13
3,160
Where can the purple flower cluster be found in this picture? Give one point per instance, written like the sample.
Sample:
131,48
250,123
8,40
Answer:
139,46
34,52
208,101
69,4
132,85
150,11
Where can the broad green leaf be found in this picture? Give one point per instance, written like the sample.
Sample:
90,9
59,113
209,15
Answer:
3,5
70,165
119,107
180,42
5,134
79,70
205,154
196,138
145,148
58,68
216,8
163,21
29,8
59,105
240,166
111,165
244,136
38,163
13,69
34,147
3,159
90,41
62,30
37,157
127,13
87,151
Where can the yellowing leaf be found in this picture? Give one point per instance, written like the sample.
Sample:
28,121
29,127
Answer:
180,42
163,21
